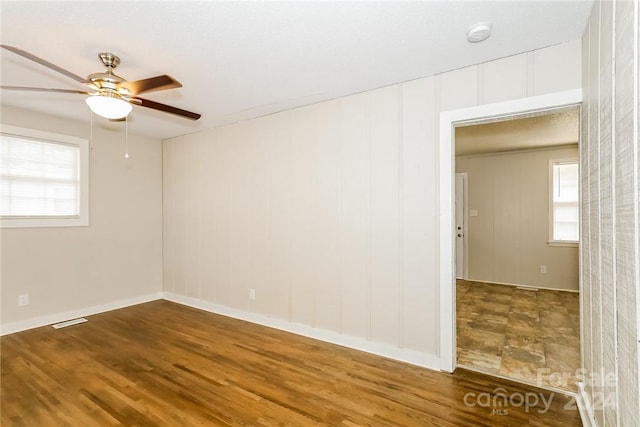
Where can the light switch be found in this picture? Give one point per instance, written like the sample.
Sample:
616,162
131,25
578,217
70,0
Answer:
473,212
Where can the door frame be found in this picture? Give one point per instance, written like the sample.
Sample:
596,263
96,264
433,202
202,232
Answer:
446,187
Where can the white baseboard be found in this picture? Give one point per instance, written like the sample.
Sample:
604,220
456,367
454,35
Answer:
36,322
585,407
413,357
521,286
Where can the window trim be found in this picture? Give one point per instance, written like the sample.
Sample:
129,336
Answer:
82,220
552,241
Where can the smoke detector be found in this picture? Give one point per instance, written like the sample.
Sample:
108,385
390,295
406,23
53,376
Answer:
479,32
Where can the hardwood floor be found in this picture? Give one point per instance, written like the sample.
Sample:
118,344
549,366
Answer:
161,363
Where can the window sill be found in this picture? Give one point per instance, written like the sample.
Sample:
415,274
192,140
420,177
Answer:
566,244
44,222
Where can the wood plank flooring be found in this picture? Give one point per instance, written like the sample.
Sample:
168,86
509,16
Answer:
165,364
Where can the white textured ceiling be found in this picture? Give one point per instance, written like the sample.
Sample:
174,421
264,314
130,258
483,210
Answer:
539,131
240,60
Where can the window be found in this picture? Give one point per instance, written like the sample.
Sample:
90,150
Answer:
43,179
564,203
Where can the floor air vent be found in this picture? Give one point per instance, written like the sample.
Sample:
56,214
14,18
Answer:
69,323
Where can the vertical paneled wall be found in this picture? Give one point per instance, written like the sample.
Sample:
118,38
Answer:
508,238
330,211
610,249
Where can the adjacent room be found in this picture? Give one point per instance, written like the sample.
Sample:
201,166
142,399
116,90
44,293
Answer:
244,213
517,231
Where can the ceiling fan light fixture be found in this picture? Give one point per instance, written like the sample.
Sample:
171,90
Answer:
110,96
109,106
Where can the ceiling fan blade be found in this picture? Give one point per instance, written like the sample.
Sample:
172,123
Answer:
41,89
151,84
166,108
41,61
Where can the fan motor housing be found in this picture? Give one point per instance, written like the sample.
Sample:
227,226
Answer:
109,59
105,80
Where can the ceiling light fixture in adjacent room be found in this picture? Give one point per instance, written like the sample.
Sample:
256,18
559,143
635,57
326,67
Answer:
479,32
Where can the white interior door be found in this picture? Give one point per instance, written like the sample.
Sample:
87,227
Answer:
461,197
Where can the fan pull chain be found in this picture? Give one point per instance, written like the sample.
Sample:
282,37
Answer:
126,137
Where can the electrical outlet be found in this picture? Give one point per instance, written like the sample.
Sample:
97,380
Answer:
252,294
23,299
543,269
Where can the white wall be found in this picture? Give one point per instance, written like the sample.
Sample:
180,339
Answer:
508,240
330,211
116,259
610,236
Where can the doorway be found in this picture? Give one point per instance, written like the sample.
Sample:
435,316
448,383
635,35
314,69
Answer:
517,305
449,120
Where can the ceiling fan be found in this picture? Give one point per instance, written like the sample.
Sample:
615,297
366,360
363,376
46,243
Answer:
109,95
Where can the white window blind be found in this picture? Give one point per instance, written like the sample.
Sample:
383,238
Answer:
43,179
565,201
39,179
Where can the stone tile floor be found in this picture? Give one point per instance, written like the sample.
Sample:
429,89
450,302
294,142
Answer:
530,336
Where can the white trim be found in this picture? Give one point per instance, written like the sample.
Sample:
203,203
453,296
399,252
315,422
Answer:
413,357
551,224
448,119
585,407
36,322
83,144
563,244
